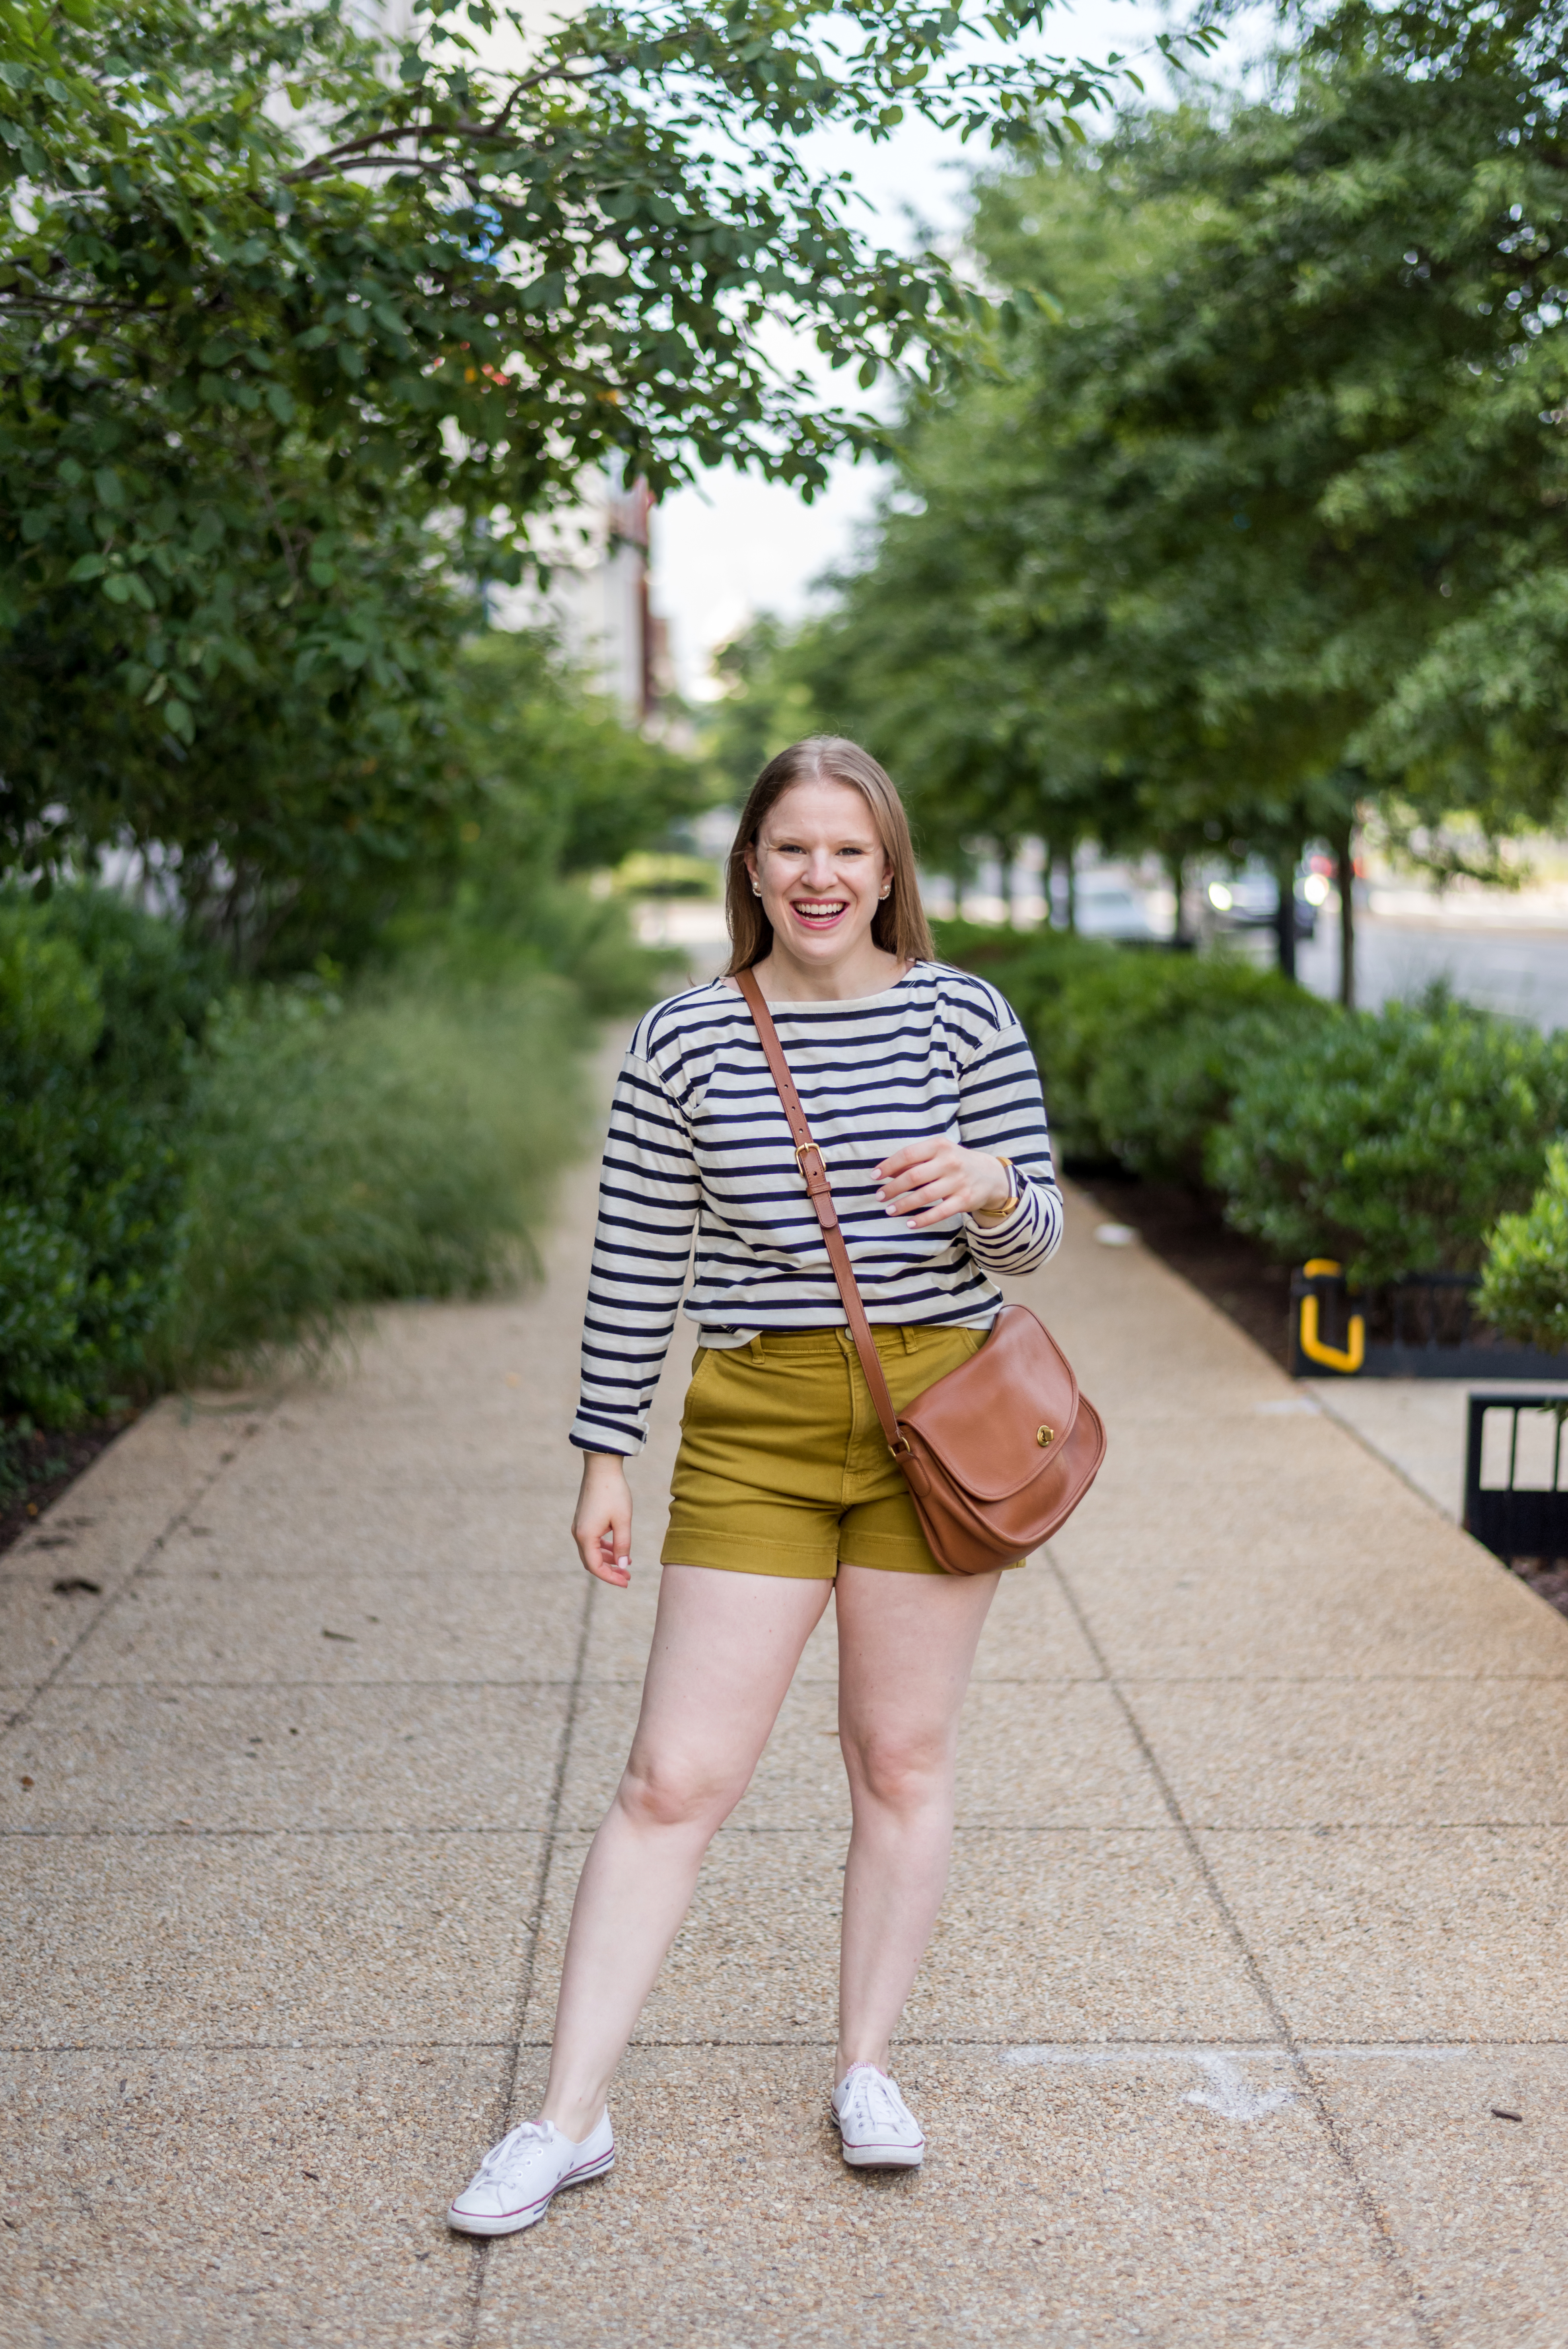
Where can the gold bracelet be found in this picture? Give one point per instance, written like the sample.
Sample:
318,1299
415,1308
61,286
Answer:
1011,1201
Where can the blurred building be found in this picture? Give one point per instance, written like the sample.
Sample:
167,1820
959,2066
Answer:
596,596
601,602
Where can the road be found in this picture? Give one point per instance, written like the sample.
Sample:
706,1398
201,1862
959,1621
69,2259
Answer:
1522,972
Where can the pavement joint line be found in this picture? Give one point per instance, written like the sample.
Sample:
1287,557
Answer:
804,1828
1109,2050
1372,2213
1181,2051
1319,1679
249,1834
507,2088
260,1688
814,1679
261,1414
829,1680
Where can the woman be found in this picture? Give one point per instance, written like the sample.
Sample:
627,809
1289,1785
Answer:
919,1088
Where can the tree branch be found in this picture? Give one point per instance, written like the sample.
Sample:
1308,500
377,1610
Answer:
348,150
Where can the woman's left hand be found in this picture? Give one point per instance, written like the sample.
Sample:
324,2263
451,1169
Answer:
929,1182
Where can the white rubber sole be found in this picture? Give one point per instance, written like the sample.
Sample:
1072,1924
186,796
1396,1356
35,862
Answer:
514,2223
883,2156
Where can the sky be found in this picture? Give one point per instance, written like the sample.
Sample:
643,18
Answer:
730,546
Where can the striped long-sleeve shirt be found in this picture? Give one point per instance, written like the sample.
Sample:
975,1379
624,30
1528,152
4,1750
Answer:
698,1144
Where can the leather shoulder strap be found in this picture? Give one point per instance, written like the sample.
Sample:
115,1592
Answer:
814,1174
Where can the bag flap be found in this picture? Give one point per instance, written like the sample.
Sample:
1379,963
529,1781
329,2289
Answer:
997,1420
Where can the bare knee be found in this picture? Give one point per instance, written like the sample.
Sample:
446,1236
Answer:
901,1774
670,1792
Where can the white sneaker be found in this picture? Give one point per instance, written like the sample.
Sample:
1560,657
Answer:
878,2128
517,2179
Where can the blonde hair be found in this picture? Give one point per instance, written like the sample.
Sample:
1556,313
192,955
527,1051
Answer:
899,926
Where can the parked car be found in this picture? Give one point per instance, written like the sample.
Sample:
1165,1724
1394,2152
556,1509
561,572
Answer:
1249,900
1110,904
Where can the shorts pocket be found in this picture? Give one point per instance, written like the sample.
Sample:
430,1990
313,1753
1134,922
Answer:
706,1396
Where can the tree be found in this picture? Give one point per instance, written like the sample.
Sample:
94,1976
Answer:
982,648
762,706
1280,527
539,780
1357,367
931,655
297,331
564,786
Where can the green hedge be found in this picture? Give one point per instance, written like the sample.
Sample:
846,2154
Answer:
100,1009
192,1175
1524,1287
1393,1141
1147,1054
1140,1049
399,1144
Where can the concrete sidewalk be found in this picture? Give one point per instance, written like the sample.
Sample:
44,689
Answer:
1419,1425
1254,1930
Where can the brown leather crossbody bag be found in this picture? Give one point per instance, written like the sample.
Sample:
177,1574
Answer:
999,1453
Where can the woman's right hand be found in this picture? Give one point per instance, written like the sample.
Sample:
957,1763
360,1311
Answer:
601,1527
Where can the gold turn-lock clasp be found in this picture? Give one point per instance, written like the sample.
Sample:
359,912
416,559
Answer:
1044,1435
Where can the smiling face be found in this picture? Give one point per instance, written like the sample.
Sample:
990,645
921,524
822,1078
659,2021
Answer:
822,869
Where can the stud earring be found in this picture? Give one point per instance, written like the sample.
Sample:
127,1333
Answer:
887,892
757,888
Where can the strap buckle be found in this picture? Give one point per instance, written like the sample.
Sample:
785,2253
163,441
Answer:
801,1150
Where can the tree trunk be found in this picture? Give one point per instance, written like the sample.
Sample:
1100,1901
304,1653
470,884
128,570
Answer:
1072,888
1179,937
1284,921
1048,884
1345,866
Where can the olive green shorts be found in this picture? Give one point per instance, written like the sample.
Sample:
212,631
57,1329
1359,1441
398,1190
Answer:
783,1467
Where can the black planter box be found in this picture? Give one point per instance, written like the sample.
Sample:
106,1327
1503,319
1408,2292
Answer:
1420,1328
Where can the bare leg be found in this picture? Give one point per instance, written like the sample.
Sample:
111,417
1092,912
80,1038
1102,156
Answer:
906,1647
725,1650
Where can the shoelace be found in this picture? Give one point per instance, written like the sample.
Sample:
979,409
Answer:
874,2100
500,2157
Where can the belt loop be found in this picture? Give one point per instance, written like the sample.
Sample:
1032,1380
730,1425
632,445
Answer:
756,1346
911,1336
